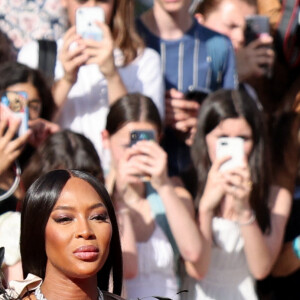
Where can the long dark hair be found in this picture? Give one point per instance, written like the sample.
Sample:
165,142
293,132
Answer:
132,107
63,150
221,105
38,204
13,72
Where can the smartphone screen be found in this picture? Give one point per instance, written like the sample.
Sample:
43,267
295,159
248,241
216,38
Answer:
255,26
86,26
139,135
230,146
17,103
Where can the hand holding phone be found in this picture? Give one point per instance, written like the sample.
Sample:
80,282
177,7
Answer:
230,146
17,104
86,25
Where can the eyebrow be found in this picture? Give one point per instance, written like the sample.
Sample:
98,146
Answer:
64,207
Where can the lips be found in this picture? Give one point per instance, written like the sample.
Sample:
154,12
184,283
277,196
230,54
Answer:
88,253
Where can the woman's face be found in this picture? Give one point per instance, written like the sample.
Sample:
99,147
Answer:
229,19
120,141
72,5
33,98
78,232
234,127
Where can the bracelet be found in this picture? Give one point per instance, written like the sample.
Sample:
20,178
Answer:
250,221
296,246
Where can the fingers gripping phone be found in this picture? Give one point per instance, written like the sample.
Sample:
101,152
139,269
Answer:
139,135
86,26
17,103
230,146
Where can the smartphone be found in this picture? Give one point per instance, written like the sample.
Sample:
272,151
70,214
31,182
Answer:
233,146
86,26
197,95
255,26
17,103
139,135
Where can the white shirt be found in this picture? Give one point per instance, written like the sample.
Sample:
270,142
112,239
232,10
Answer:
87,106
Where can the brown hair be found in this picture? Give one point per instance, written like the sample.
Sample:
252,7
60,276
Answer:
123,30
206,7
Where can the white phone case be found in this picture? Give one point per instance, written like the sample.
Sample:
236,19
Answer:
86,26
233,146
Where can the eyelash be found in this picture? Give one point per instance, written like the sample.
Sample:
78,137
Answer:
98,217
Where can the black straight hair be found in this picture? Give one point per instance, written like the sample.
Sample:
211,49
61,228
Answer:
38,204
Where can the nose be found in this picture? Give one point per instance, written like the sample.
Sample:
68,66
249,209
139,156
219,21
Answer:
84,230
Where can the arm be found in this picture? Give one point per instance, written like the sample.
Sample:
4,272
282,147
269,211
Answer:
177,201
262,249
128,242
102,54
72,58
287,262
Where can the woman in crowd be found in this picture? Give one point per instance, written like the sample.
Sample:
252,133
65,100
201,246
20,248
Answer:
91,74
16,77
70,238
155,212
242,217
63,150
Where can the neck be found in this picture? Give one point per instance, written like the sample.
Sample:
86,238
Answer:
166,25
56,286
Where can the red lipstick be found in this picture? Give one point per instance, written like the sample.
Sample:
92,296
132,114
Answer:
87,253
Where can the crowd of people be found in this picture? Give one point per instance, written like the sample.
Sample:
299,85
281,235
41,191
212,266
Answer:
88,211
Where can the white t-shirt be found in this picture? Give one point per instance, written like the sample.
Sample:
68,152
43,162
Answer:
87,106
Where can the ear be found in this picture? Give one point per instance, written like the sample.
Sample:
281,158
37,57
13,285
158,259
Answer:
200,18
105,139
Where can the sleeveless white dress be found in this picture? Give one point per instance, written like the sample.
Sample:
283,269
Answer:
156,275
228,277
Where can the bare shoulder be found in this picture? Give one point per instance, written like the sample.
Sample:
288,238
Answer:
280,200
110,296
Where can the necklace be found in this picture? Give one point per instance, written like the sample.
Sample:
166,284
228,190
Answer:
39,295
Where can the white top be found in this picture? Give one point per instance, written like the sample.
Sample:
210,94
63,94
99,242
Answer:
87,105
156,275
228,277
10,237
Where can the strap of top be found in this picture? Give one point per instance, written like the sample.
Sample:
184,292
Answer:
159,213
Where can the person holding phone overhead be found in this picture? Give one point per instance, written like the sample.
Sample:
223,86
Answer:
91,74
155,213
241,215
